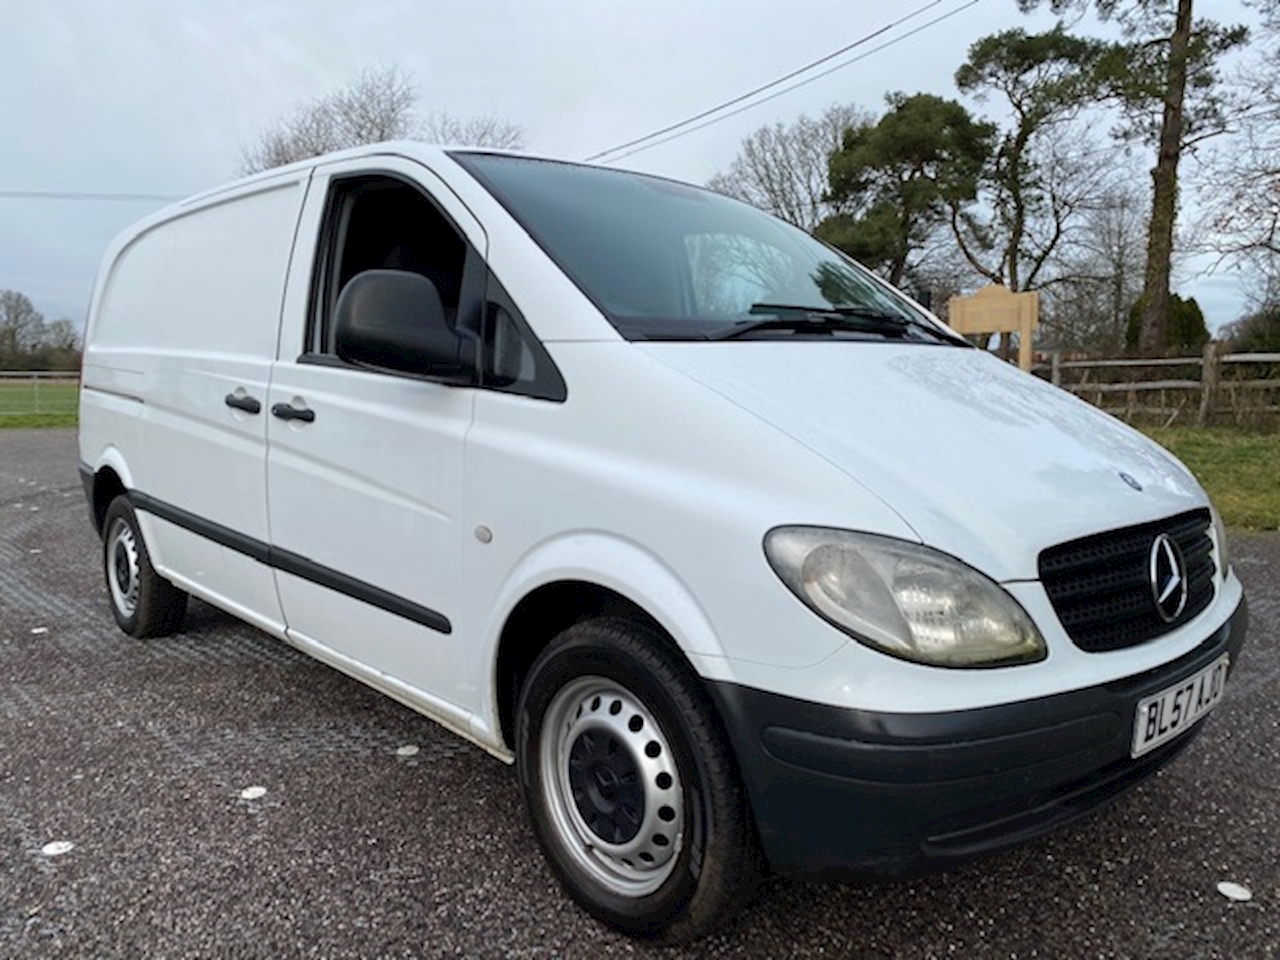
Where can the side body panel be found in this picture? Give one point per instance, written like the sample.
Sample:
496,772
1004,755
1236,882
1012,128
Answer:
186,318
643,483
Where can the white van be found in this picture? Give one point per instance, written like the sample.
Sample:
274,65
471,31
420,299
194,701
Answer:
745,560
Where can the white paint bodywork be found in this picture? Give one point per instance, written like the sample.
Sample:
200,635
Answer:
373,487
657,478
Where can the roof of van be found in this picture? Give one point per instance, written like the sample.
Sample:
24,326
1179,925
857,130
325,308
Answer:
413,149
429,154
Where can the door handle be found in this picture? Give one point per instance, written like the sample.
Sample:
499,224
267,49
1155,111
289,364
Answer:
247,404
286,411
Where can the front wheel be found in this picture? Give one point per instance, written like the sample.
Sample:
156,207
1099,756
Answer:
143,602
632,790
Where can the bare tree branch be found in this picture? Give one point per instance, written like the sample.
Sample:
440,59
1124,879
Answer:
378,105
1241,192
783,168
483,131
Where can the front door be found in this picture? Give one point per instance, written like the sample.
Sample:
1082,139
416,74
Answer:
365,468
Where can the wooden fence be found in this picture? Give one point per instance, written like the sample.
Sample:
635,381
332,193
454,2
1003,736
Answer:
26,393
1215,387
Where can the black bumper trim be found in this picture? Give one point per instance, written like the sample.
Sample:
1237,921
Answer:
289,562
845,791
277,557
928,763
216,532
1073,803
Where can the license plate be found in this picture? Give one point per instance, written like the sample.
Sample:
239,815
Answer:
1163,716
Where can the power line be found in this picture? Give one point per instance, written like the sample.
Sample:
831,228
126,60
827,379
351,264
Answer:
772,83
82,195
785,90
641,144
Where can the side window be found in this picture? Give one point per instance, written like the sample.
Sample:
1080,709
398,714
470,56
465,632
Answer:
379,222
382,223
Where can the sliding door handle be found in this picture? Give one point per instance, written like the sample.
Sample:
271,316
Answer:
245,403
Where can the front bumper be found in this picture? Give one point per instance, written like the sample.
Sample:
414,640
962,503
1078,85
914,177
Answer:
845,791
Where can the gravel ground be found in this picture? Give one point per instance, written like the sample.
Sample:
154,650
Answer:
137,753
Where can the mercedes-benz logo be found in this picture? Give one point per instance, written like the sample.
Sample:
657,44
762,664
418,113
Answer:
1168,573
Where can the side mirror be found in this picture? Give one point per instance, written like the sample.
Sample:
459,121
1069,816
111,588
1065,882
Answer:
394,320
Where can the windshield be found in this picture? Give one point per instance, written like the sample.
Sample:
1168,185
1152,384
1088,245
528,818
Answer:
668,261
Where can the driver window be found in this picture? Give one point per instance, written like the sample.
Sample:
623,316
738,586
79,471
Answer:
381,223
378,222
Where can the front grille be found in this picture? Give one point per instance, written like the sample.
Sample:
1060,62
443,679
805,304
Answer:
1100,586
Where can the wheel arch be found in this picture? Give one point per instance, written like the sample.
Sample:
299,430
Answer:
606,577
536,620
111,479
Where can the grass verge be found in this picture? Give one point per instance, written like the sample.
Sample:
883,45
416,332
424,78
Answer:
39,420
38,403
1239,469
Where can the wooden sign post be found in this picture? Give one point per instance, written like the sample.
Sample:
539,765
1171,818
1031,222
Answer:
994,309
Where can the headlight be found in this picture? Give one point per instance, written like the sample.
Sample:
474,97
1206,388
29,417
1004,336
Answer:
1220,543
904,599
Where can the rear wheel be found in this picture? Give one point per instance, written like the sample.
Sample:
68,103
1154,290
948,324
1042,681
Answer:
632,790
143,602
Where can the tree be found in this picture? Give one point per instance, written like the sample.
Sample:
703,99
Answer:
483,131
1097,277
1243,210
1256,333
20,327
28,343
379,105
1185,333
783,168
1034,181
57,349
1164,42
892,184
1242,196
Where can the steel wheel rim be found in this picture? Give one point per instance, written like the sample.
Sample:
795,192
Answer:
122,567
577,781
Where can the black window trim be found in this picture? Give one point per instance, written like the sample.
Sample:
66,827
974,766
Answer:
548,383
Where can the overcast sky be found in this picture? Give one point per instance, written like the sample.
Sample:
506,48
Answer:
160,96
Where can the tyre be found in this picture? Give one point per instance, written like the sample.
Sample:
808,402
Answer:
143,602
631,786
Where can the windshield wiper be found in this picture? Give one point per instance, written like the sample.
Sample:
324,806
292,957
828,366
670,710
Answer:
854,310
806,319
